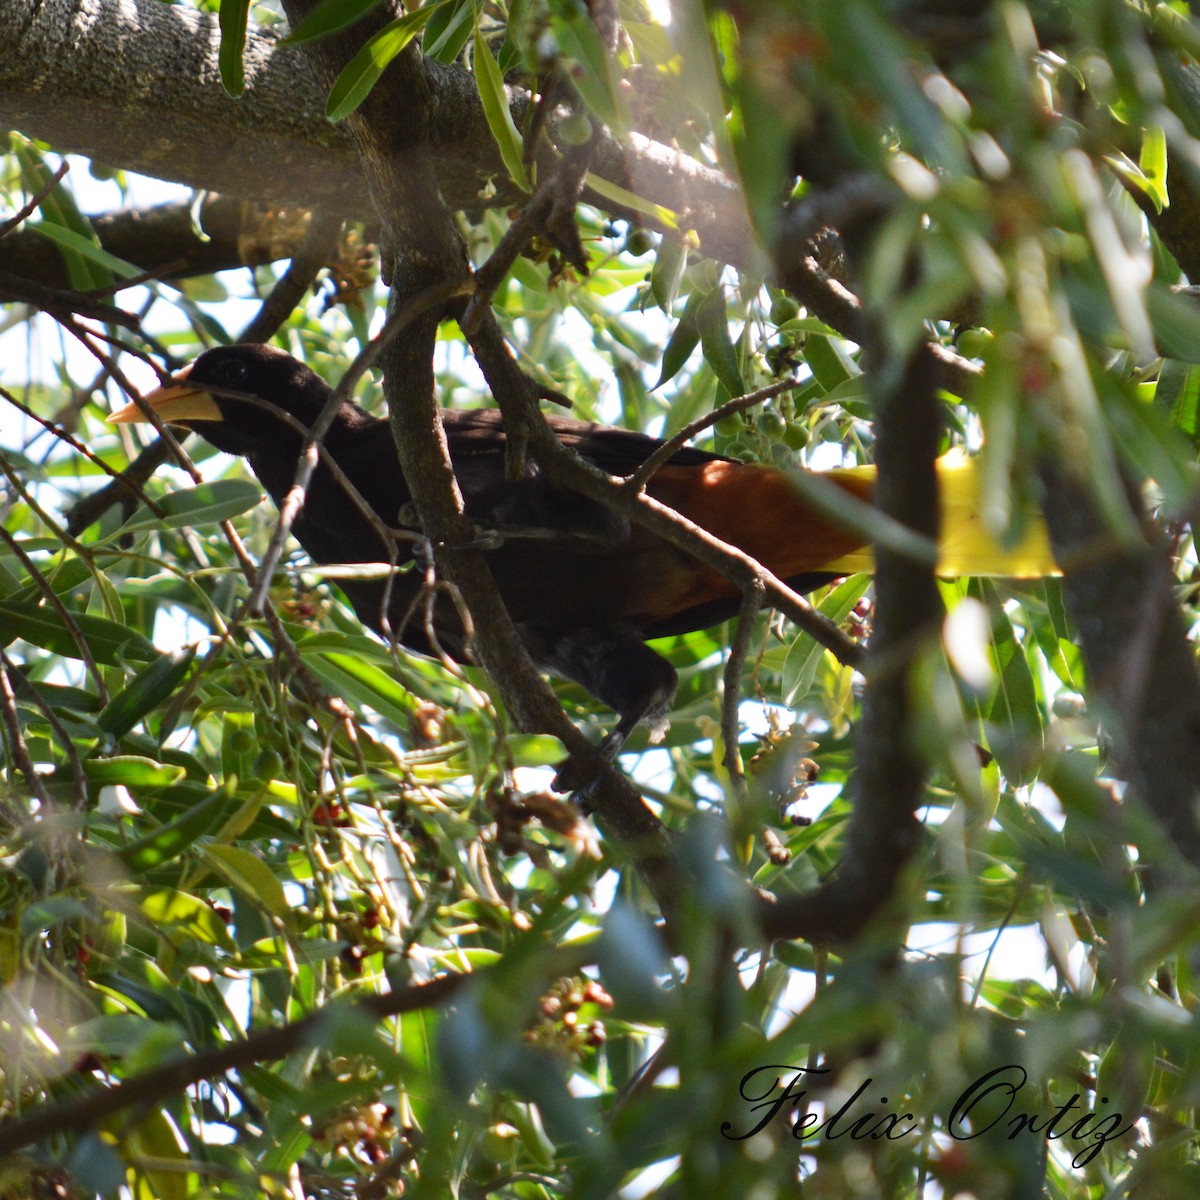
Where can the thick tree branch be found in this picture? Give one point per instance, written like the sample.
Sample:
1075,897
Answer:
68,80
890,780
1141,667
192,239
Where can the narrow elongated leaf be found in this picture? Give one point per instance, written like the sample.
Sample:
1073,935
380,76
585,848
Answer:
667,273
174,838
1178,395
1153,161
1176,321
829,364
250,875
450,30
205,504
153,1140
495,108
233,18
362,72
1014,708
86,247
805,653
716,343
328,17
623,196
61,213
149,688
683,340
535,749
41,625
366,683
132,770
579,39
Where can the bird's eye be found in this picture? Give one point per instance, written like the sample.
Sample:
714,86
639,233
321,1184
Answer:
231,373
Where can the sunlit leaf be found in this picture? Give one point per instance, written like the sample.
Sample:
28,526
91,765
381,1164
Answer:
496,110
42,625
362,72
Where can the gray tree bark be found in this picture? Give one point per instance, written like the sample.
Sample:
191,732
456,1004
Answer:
135,84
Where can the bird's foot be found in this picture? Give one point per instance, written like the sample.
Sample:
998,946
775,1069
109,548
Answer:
569,778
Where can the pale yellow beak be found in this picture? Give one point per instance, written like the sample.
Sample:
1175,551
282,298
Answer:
176,404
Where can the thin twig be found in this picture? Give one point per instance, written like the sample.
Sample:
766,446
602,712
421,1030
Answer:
545,211
64,613
58,301
28,689
176,1075
266,322
64,436
428,298
638,479
126,483
752,601
577,474
16,745
127,281
27,209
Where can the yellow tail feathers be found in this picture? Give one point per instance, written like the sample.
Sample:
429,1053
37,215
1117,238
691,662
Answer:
965,546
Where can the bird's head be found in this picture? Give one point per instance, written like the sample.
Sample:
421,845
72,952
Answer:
221,395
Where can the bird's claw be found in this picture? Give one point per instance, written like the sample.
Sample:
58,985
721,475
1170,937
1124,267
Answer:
581,793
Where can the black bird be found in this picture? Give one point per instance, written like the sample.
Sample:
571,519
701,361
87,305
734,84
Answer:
585,588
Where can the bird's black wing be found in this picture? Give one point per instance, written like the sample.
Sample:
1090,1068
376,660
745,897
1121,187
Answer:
480,431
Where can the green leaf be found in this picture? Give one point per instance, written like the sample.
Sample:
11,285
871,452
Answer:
108,641
805,653
328,17
1014,708
115,1034
148,689
829,363
1177,395
761,144
450,29
86,247
1176,322
362,72
186,914
578,39
666,217
1153,161
667,273
366,683
683,340
251,876
205,504
535,749
64,223
131,770
495,108
233,18
719,352
171,840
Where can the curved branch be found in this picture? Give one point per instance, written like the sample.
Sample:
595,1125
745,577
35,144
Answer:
178,1074
890,781
1140,665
